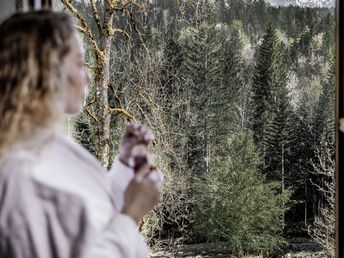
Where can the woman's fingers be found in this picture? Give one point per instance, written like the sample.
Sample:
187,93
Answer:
150,172
157,176
143,173
140,133
149,136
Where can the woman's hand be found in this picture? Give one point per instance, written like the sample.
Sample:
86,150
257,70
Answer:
141,195
135,143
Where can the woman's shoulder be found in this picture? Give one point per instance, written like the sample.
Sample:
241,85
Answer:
59,163
49,148
59,167
78,152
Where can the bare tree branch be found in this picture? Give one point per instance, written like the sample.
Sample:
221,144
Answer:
123,112
114,7
126,35
96,16
323,228
136,29
90,103
83,28
145,116
93,116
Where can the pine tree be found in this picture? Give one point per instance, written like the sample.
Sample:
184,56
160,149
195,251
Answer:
235,204
266,75
202,69
324,124
228,95
323,141
171,67
172,88
278,139
272,110
311,136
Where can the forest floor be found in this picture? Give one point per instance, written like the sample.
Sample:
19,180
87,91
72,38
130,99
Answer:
297,248
288,255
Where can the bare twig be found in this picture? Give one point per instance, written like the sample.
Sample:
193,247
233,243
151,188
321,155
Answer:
123,112
93,116
96,15
83,28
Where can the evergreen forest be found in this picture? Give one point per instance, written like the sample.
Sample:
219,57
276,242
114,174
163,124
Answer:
240,96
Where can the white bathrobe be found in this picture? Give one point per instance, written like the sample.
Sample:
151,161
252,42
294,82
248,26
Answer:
57,201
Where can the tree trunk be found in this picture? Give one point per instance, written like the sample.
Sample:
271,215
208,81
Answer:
102,113
101,80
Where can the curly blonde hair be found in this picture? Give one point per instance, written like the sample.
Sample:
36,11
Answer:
32,48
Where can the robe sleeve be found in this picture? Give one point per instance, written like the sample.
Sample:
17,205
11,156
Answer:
120,175
38,221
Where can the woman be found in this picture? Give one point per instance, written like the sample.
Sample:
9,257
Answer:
55,199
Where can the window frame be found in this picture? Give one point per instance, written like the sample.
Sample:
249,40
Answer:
32,4
339,134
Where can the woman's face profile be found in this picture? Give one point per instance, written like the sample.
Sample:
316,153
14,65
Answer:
77,76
